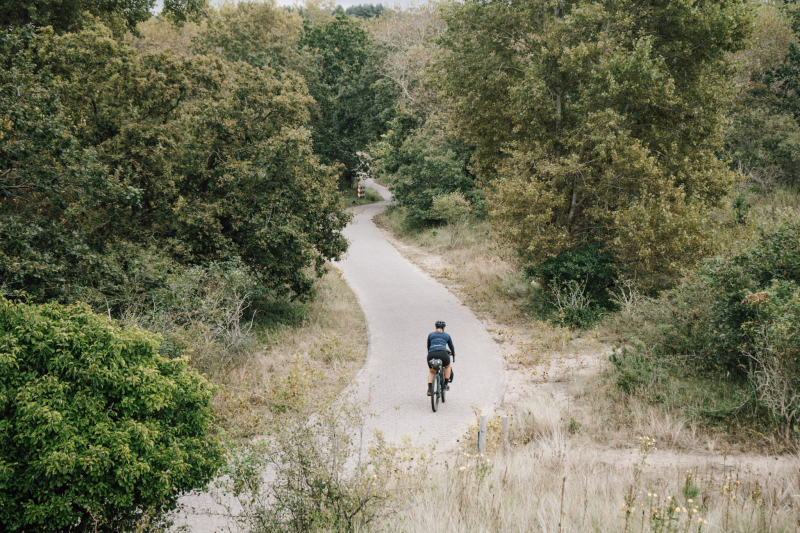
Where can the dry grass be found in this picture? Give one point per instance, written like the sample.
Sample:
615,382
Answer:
330,336
577,461
555,481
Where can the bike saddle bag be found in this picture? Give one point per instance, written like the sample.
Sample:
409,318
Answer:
435,364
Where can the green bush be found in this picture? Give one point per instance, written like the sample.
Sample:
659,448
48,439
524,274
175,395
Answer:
421,163
774,360
577,283
738,320
372,195
774,258
637,369
97,430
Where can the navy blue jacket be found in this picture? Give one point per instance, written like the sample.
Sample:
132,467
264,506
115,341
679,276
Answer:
440,341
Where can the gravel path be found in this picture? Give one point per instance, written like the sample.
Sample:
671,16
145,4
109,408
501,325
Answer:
401,304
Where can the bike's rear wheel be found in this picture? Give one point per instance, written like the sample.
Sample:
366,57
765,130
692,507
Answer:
444,383
435,395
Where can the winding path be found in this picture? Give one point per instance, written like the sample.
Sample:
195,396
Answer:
401,304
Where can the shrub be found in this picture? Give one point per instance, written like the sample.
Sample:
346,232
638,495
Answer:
96,428
372,195
774,369
453,209
637,369
326,473
578,283
737,319
775,257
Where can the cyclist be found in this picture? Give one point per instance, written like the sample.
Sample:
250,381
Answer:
438,342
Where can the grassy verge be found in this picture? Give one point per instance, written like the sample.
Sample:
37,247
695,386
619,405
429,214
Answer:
553,481
326,334
483,271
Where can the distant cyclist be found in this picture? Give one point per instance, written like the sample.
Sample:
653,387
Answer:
438,342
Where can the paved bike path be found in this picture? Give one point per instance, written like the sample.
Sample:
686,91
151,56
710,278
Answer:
401,305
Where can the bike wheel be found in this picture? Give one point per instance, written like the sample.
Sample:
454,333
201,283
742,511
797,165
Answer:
435,395
444,382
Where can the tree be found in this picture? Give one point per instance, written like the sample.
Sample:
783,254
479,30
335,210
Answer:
421,161
98,432
597,121
763,138
354,102
259,33
67,15
204,159
411,40
365,11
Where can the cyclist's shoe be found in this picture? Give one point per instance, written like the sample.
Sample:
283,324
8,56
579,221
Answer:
430,389
446,385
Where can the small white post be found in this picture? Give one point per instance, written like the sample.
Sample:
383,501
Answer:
482,435
505,433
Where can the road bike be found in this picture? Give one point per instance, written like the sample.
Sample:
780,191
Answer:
438,383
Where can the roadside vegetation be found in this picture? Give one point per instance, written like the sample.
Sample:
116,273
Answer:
688,267
653,339
612,188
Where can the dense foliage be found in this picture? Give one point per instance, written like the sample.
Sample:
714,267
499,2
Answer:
97,430
737,317
597,122
763,139
259,33
68,15
107,151
353,101
421,163
578,283
365,11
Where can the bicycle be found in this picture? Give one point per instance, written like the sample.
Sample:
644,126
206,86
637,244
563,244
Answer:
438,383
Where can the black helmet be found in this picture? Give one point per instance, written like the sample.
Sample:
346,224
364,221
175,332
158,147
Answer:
440,324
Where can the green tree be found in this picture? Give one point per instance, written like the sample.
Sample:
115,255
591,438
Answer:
207,160
763,138
421,162
97,430
67,15
354,102
260,33
597,121
365,11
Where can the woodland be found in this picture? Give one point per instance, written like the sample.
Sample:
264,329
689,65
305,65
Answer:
174,186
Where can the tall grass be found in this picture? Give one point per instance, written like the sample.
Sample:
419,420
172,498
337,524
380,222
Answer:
552,481
327,333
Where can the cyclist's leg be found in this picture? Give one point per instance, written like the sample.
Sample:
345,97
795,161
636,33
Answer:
447,372
430,375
